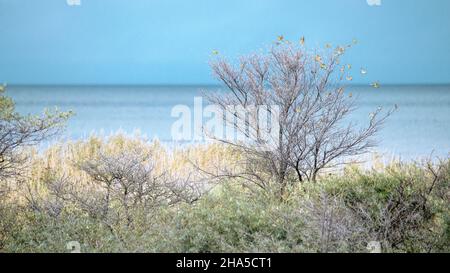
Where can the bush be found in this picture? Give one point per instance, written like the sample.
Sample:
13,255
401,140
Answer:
404,206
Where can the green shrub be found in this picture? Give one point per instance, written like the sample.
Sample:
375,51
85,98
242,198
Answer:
403,206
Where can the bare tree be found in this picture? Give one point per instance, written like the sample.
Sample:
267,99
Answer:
313,128
17,132
130,181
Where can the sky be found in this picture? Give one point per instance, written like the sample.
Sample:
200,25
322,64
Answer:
170,41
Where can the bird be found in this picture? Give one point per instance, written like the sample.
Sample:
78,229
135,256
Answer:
280,38
323,66
349,66
302,40
215,52
376,85
318,58
340,50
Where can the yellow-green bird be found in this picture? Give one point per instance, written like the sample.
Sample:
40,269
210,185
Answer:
340,50
376,85
318,59
280,38
215,52
302,40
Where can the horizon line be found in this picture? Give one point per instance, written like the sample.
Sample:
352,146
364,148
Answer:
191,84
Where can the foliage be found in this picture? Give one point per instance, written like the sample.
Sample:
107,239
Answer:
17,131
404,206
126,194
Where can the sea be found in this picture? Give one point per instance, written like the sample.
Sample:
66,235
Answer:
419,128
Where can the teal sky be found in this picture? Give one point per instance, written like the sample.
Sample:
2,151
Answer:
170,41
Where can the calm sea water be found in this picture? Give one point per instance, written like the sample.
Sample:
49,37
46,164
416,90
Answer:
421,125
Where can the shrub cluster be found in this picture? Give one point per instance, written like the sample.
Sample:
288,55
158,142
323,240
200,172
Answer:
123,194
